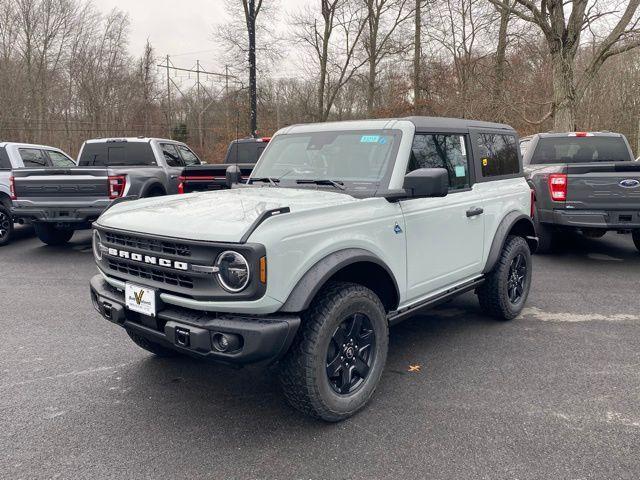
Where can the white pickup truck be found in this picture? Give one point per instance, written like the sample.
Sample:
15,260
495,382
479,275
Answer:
15,156
342,230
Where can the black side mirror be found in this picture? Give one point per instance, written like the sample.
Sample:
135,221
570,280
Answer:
233,175
427,182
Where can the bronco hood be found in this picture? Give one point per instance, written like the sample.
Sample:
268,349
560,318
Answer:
222,216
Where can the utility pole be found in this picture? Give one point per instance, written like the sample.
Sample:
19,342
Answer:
169,99
200,132
251,25
226,98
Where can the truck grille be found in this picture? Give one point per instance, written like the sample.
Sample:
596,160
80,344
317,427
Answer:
149,244
148,273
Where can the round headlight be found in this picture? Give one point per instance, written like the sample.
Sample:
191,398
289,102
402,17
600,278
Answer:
233,271
97,245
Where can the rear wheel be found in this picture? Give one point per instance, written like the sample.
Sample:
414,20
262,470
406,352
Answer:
636,238
337,360
506,288
51,235
6,225
152,347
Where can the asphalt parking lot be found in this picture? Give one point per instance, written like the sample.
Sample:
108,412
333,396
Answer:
553,394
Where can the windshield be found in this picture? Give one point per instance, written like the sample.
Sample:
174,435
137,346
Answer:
580,150
346,156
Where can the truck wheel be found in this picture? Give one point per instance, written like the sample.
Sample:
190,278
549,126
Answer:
636,238
152,347
506,288
336,361
51,235
6,225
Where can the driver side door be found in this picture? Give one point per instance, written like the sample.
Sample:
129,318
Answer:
444,236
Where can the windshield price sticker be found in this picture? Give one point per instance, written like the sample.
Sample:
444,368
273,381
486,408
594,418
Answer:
370,139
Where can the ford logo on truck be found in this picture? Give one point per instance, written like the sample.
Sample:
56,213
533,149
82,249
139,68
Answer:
629,183
148,259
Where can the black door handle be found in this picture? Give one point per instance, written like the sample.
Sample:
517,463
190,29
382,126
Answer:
472,212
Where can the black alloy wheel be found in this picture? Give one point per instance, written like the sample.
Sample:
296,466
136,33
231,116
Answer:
5,222
517,278
6,225
350,354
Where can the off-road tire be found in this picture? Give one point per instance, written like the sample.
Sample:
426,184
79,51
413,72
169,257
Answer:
493,293
6,225
636,238
51,235
152,347
303,372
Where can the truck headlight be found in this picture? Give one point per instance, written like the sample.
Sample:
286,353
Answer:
97,245
233,271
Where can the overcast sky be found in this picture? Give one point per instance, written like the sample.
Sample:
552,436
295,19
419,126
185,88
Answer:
177,27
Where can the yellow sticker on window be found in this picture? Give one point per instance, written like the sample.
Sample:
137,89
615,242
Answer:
485,162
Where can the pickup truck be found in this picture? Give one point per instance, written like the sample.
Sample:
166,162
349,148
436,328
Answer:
343,230
61,199
586,182
242,153
20,155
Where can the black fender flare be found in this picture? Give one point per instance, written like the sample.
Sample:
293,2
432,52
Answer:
315,278
149,185
525,229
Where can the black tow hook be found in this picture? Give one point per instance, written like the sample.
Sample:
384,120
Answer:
182,337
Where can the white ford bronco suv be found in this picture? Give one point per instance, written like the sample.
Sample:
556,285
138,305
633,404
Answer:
342,230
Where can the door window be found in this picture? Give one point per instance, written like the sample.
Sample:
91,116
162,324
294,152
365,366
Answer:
188,156
171,155
33,157
60,159
442,151
498,154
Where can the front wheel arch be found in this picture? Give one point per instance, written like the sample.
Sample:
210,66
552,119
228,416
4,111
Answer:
349,265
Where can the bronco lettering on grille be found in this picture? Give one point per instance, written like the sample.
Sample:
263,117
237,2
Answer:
136,257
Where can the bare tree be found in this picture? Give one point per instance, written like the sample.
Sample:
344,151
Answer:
563,37
384,19
460,28
333,42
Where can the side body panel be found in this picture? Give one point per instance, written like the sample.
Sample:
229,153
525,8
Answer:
444,245
296,242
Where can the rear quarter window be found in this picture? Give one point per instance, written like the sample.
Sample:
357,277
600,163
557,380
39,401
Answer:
498,154
112,154
244,152
5,163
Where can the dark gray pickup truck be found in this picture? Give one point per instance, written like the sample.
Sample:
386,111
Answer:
583,181
58,201
242,153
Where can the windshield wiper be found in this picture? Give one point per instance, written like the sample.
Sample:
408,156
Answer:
273,181
333,183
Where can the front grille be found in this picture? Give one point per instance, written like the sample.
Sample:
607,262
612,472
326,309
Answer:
149,273
149,244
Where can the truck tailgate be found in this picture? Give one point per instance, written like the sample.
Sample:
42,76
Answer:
199,178
55,184
604,186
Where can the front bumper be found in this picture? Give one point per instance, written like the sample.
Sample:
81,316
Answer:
264,338
600,219
71,217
